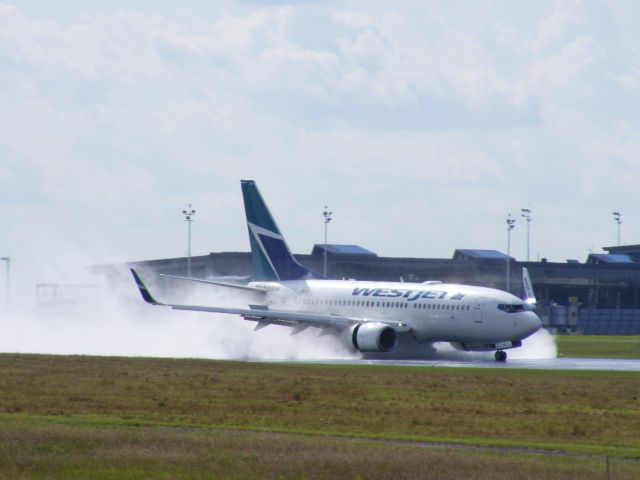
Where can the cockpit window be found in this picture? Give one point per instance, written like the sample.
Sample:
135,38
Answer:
511,308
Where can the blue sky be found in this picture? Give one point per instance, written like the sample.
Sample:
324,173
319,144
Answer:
421,125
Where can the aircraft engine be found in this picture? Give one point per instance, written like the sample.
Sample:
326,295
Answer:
374,337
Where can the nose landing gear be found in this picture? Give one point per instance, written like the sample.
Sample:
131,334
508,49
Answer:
501,356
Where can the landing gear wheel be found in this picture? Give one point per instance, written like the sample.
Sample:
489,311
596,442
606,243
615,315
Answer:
501,356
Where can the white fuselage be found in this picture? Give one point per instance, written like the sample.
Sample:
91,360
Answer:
477,317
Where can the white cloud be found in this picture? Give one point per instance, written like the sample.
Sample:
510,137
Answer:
568,74
438,118
553,28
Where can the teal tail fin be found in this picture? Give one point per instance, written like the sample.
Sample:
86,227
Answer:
272,259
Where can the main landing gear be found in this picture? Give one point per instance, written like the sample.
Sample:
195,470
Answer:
501,356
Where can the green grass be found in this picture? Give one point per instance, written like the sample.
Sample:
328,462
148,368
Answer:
99,417
61,451
598,346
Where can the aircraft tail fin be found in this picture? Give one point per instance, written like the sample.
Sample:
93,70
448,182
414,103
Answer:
271,257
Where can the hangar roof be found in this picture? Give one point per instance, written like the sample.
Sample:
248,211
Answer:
333,249
476,254
597,258
632,250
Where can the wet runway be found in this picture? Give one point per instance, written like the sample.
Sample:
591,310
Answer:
597,364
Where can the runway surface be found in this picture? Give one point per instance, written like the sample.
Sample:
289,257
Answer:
598,364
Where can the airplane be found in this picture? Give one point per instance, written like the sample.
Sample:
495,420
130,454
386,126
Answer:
379,319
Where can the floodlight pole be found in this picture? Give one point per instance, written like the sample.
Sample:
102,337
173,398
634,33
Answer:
617,216
526,214
327,219
7,286
510,224
188,217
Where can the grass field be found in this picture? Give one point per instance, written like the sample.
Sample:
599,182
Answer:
598,346
98,417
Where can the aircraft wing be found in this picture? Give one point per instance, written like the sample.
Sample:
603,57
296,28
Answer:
264,316
220,284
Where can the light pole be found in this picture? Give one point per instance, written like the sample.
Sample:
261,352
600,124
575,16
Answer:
617,216
526,214
8,260
327,218
188,216
510,224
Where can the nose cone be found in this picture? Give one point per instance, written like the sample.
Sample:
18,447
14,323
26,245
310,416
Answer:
529,324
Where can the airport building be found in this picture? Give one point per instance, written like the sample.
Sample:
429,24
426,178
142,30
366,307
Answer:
598,296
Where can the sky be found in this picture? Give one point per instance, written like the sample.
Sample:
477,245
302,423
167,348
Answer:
421,124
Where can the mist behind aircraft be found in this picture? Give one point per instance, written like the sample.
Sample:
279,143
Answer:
115,322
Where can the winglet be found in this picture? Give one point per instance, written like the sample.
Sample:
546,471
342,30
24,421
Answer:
529,295
143,289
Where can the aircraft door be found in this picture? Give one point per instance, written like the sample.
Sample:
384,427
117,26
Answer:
477,310
382,308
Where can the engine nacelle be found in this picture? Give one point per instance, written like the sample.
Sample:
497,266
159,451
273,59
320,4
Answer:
374,337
